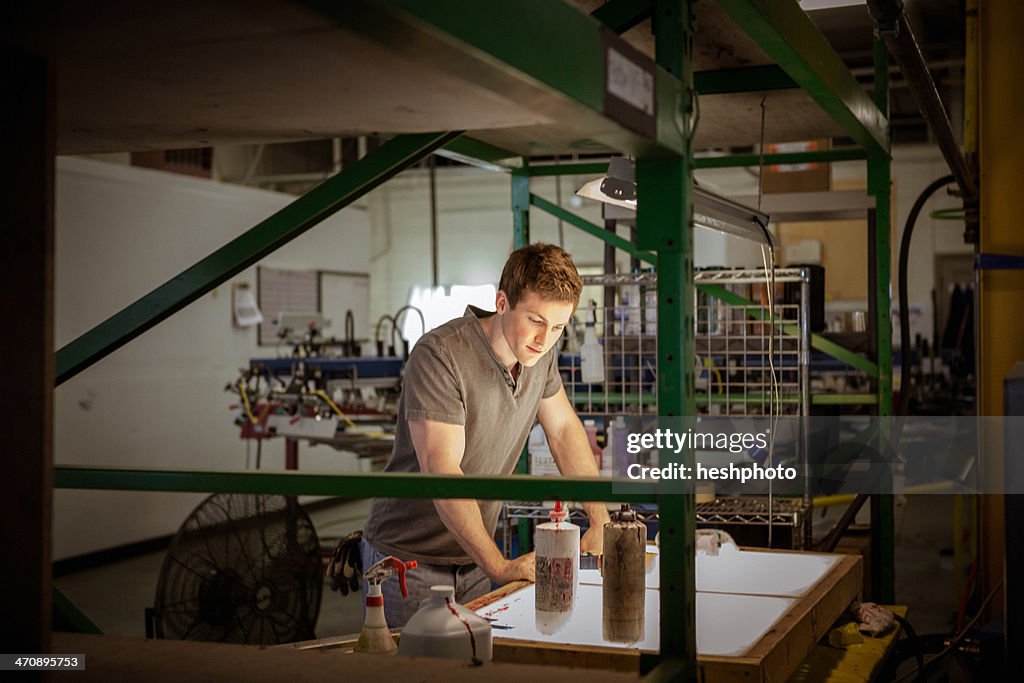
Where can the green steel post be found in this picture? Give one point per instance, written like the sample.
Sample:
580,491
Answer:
882,506
521,238
664,225
293,220
787,35
520,209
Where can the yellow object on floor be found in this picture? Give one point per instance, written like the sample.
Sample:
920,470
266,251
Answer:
854,663
847,634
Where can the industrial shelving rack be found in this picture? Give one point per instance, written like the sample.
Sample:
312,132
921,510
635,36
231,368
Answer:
732,370
493,46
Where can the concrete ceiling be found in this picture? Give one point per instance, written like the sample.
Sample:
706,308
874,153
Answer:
147,76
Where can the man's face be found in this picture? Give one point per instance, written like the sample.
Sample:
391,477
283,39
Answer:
533,326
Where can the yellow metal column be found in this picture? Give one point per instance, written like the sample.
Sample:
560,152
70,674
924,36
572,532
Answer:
1001,292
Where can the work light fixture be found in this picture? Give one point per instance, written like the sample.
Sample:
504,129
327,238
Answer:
710,210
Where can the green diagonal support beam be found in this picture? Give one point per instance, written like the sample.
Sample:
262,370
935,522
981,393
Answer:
477,153
67,612
622,15
592,229
383,484
791,39
293,220
746,79
818,342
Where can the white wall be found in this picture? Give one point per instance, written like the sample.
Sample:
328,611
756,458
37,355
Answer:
475,232
160,400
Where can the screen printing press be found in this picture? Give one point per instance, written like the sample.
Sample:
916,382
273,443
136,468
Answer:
759,613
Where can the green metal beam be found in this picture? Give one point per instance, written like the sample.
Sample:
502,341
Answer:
883,510
73,618
754,310
821,156
293,220
746,79
664,224
477,153
844,399
622,15
383,484
521,238
786,33
492,46
592,229
520,209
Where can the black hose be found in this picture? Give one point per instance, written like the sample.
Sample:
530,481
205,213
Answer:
915,643
350,333
831,540
908,232
423,323
376,334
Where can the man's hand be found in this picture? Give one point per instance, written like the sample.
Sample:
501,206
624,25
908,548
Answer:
522,568
593,541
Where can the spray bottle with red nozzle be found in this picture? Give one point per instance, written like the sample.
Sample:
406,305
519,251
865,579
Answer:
375,637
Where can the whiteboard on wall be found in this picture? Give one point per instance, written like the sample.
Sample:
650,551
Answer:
341,292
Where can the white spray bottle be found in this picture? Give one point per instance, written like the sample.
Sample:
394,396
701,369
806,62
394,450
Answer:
591,354
375,637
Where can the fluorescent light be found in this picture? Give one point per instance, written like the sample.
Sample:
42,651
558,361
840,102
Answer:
710,210
732,218
811,5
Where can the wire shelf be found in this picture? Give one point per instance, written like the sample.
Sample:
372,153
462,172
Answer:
736,348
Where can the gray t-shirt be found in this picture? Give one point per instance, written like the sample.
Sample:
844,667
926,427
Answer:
454,376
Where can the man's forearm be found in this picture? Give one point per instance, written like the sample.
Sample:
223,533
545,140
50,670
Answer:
462,517
571,450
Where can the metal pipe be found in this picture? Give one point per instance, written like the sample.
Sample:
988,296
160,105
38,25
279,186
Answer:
432,166
893,26
903,284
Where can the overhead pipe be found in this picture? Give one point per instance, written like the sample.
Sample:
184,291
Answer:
893,26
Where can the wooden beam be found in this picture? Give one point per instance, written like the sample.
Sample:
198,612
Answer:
26,297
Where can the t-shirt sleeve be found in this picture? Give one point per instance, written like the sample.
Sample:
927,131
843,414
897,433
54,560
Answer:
553,382
431,390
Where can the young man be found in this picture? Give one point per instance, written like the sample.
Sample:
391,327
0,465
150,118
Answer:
471,392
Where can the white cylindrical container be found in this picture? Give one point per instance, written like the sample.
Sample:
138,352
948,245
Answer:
591,353
443,628
557,545
624,581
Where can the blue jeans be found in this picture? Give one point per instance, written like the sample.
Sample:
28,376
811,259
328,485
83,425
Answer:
469,582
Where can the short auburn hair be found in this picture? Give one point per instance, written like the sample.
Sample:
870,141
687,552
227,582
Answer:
545,269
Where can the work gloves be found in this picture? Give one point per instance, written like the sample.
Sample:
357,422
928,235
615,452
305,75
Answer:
346,566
